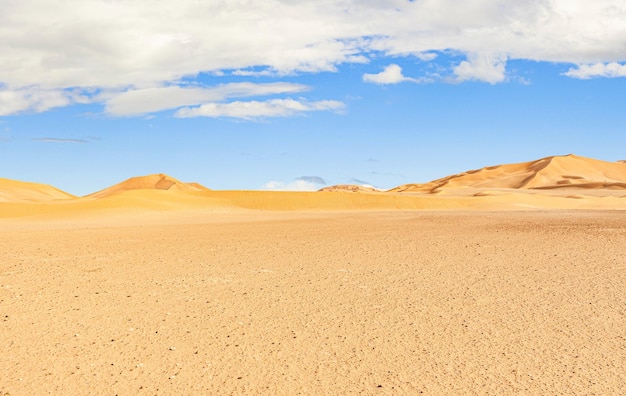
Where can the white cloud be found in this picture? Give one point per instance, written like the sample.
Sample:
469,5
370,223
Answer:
482,67
50,47
256,109
296,185
391,75
426,56
609,70
33,99
149,100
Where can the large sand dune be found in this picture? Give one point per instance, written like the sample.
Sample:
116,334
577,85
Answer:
557,172
19,191
158,181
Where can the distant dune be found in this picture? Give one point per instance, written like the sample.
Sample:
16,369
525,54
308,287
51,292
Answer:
158,181
560,182
18,191
349,188
555,172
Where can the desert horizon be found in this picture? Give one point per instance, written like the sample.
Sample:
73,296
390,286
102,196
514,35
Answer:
558,182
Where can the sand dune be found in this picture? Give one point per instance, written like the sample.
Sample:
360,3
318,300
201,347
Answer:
158,181
349,188
18,191
566,182
198,186
557,172
137,204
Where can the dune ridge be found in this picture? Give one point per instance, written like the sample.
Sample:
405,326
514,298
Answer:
158,181
349,188
19,191
546,173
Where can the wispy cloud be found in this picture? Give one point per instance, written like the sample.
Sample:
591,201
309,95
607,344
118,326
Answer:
608,70
60,140
252,110
149,100
312,179
361,182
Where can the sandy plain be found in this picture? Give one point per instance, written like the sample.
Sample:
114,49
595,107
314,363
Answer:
314,302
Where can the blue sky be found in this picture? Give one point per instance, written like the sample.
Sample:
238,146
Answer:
290,95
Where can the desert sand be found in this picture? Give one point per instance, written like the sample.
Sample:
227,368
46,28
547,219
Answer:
18,191
398,302
155,286
555,172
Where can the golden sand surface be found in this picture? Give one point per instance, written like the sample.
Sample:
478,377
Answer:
313,302
555,172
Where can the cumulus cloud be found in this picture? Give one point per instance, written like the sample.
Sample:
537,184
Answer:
251,110
56,53
391,75
482,67
609,70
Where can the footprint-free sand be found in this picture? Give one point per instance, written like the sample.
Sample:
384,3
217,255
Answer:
324,302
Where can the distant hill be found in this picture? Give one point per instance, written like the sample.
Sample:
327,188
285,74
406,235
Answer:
19,191
157,181
349,188
568,171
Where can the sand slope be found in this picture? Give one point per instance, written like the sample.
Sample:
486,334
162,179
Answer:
349,188
19,191
546,173
137,204
157,181
198,186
